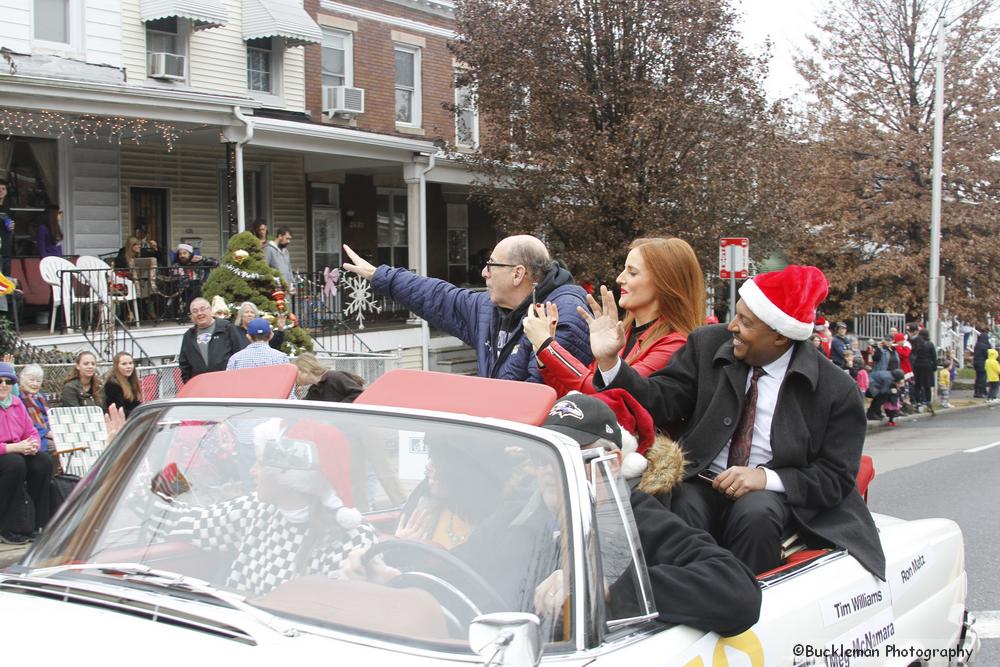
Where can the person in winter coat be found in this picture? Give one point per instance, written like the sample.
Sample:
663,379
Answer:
21,460
882,389
992,367
838,345
50,234
924,361
121,385
208,344
249,311
326,384
82,387
764,414
663,295
979,360
884,357
518,273
694,580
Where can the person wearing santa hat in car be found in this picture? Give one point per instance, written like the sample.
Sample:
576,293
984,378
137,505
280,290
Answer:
663,295
772,429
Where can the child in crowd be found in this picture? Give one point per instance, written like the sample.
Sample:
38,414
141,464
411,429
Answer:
860,374
944,379
894,405
993,376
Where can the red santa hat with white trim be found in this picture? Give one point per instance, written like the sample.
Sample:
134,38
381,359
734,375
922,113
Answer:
786,300
637,429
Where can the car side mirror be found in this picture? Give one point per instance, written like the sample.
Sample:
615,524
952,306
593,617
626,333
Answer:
507,639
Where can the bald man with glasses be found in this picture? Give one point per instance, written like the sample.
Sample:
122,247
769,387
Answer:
518,272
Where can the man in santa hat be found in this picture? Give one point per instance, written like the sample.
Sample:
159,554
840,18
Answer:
772,430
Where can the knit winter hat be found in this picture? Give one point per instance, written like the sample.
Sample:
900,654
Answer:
7,371
187,247
787,300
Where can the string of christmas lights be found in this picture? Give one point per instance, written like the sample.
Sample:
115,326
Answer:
85,127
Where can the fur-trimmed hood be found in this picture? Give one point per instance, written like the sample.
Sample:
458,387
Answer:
666,466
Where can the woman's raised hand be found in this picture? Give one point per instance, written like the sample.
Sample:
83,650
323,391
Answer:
607,333
540,323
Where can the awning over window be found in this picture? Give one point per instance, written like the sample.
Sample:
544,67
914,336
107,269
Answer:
202,13
280,18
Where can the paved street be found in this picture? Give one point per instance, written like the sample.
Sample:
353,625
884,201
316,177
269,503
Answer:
946,466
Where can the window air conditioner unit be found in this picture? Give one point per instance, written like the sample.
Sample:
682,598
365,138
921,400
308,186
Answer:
165,66
343,100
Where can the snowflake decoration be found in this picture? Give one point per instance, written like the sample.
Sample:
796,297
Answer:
362,299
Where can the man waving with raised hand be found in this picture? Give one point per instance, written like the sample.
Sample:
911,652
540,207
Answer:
519,272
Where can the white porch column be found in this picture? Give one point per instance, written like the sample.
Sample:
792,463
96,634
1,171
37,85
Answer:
416,230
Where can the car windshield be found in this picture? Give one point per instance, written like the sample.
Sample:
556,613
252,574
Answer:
397,527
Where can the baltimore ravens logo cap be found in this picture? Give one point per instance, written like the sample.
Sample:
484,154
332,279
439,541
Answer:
585,419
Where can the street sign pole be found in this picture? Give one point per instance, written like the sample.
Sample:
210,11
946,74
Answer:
734,256
732,291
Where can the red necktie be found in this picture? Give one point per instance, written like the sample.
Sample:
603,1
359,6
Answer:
739,446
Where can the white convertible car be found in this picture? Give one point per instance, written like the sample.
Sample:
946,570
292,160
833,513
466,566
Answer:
187,542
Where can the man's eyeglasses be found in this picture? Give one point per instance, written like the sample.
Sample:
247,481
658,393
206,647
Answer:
8,381
490,265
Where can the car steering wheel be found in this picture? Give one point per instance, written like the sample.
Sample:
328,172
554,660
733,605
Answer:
461,591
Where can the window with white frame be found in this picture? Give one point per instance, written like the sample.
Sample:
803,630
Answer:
262,66
52,21
466,117
337,58
166,48
407,85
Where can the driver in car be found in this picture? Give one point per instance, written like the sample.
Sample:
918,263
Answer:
294,525
695,582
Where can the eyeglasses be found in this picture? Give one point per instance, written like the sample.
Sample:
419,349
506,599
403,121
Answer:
8,381
202,309
490,265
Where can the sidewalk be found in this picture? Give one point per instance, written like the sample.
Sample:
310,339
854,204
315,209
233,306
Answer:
960,399
10,554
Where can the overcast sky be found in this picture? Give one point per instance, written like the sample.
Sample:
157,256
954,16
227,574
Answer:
786,22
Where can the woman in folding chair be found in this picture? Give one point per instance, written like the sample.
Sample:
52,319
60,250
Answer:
20,462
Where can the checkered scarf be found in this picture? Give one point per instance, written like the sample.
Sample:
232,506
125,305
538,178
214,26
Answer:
269,549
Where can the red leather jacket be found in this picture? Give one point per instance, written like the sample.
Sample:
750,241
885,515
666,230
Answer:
564,373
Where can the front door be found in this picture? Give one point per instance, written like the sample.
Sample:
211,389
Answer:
326,237
148,215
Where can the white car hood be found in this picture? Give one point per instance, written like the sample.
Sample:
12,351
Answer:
117,638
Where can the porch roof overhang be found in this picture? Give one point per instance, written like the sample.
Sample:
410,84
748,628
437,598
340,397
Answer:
314,138
280,18
102,99
203,14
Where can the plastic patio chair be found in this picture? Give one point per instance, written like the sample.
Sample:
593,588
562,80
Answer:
94,266
62,286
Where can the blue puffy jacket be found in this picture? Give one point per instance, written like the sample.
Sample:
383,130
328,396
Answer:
473,318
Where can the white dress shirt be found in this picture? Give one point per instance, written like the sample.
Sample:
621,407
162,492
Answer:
768,386
767,399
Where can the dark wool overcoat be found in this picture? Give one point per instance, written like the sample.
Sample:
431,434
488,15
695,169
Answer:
817,432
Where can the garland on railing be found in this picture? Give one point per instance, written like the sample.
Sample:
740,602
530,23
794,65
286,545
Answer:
246,275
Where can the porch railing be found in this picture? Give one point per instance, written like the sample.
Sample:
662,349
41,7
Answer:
322,307
877,325
163,381
94,298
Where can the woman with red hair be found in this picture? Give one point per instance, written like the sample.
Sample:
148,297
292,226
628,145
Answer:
663,295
